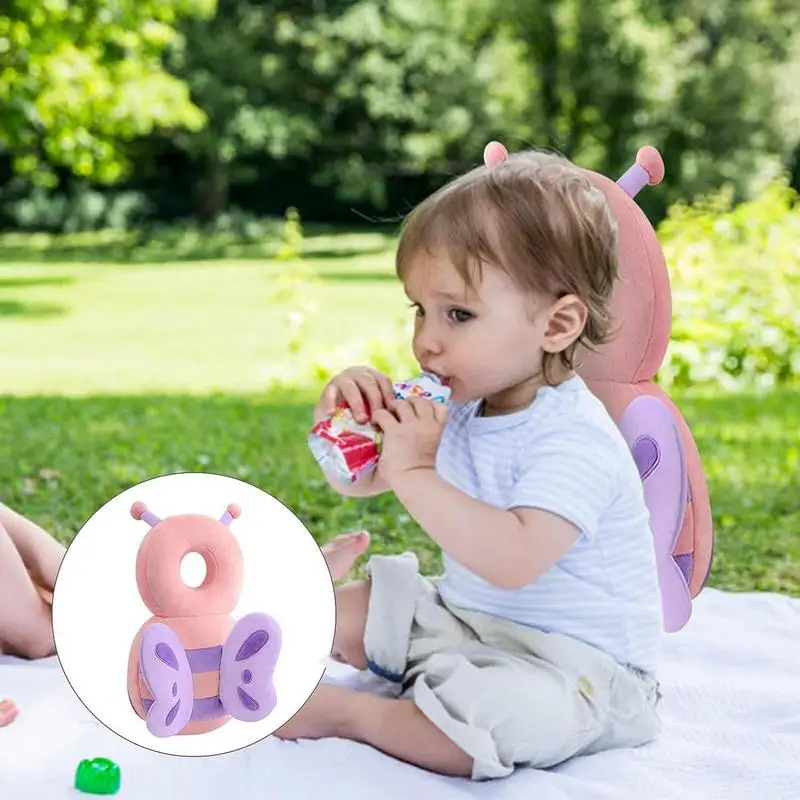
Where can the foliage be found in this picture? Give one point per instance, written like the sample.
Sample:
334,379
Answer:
372,91
84,207
356,91
370,104
735,275
78,80
292,286
718,103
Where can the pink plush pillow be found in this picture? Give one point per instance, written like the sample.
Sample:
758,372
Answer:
192,666
622,375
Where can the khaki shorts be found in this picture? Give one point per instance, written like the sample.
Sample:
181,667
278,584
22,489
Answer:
508,695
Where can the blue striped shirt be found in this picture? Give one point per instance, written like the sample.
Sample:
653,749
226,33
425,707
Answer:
563,454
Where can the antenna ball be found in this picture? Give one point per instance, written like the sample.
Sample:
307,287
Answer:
494,153
649,159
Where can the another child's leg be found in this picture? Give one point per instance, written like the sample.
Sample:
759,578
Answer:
40,552
8,712
25,618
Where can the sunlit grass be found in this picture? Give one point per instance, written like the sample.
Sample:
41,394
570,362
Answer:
108,369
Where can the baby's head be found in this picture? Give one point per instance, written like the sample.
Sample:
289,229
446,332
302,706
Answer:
510,268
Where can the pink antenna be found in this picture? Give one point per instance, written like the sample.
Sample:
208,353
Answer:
139,511
232,512
494,153
648,170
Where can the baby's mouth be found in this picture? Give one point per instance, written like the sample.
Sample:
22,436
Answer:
441,378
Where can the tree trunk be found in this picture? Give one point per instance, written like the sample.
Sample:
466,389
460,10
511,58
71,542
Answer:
212,190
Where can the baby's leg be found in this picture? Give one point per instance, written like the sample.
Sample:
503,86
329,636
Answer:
393,726
25,619
397,727
352,603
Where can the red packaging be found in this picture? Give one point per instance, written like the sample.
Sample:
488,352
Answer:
347,449
343,447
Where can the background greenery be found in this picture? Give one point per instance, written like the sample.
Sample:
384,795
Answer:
337,107
198,205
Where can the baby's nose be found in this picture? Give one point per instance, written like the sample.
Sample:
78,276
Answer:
428,341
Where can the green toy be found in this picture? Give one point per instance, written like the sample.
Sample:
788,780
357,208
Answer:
97,776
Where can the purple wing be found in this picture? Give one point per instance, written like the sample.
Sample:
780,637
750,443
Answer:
649,427
165,669
249,656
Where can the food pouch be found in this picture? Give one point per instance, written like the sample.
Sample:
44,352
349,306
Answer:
347,449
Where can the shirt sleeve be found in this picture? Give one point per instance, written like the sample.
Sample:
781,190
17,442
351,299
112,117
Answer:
572,471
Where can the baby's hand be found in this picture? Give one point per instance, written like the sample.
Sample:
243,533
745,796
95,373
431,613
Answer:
412,430
365,390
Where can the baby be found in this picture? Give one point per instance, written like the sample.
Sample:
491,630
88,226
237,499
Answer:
29,562
539,641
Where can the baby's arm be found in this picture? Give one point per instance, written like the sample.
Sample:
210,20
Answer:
565,480
507,548
25,618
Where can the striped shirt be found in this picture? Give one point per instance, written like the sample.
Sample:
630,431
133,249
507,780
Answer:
563,454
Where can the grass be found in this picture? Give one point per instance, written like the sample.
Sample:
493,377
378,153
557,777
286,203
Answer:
113,373
83,326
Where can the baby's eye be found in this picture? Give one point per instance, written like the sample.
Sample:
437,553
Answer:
460,315
417,309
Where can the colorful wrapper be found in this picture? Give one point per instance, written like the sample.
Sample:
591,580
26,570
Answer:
347,449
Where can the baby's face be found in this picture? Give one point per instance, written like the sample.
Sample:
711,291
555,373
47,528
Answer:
483,341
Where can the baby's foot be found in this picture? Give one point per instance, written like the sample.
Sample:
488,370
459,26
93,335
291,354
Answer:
341,552
8,712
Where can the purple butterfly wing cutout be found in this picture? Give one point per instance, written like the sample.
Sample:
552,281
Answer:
249,656
652,434
165,669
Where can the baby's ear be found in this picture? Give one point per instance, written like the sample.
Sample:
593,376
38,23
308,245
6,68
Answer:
565,323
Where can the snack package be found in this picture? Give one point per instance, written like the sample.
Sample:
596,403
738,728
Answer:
347,449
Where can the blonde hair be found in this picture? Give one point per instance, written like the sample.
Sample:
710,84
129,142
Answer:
537,217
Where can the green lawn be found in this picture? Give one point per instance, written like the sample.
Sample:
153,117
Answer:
113,373
73,324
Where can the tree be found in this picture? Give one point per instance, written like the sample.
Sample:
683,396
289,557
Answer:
80,80
353,92
715,74
578,73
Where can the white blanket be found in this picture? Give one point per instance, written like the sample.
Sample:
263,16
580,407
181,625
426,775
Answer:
731,708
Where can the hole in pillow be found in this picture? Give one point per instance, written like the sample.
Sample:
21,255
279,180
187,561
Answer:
193,570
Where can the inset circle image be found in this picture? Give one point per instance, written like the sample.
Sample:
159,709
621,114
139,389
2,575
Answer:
192,614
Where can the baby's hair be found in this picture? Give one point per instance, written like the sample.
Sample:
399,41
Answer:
537,217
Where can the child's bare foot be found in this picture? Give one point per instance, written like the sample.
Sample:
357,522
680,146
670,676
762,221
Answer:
341,552
8,712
